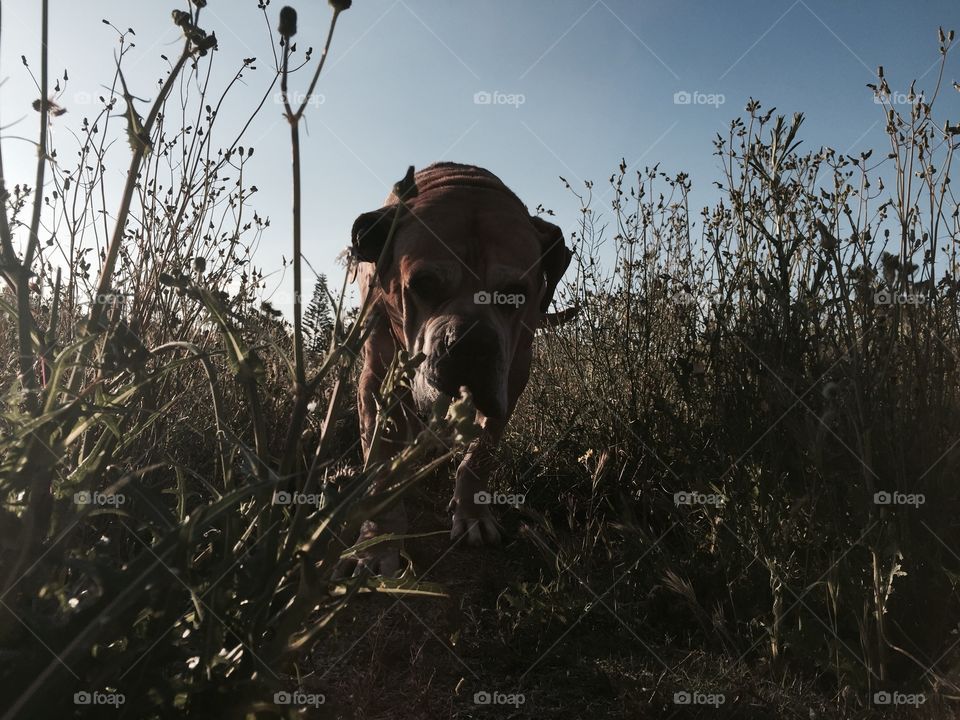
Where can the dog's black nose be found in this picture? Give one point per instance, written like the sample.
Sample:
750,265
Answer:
469,344
468,353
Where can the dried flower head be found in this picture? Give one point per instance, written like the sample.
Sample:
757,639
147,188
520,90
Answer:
288,22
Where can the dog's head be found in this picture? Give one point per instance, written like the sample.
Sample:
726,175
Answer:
466,279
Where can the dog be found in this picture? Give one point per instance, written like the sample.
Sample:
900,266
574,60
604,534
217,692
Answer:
466,280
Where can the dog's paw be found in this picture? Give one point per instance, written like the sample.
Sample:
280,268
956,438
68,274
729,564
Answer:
384,562
382,558
473,521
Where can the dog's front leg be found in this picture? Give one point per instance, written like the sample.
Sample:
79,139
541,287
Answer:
382,558
470,504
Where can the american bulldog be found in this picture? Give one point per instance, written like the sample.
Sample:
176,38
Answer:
466,280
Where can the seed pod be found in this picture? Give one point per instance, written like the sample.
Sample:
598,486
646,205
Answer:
288,22
341,5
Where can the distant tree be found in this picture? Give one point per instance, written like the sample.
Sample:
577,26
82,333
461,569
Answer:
318,318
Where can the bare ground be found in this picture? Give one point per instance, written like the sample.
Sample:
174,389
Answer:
415,657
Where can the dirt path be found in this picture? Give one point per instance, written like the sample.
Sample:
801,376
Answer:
437,658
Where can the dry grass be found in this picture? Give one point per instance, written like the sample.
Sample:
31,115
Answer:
747,357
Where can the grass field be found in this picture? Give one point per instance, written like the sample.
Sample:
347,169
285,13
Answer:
739,461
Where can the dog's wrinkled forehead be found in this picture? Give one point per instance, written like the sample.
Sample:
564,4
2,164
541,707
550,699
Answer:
474,228
467,213
463,219
446,175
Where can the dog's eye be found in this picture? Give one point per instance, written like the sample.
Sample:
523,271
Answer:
426,286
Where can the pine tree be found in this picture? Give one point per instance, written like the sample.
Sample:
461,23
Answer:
318,318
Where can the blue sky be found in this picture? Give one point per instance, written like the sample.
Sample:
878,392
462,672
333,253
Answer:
575,85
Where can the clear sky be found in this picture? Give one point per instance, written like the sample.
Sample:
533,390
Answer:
574,85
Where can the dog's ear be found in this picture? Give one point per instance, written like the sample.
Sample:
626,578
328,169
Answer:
370,232
555,257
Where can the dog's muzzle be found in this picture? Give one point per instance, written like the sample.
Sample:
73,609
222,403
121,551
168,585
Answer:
470,354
